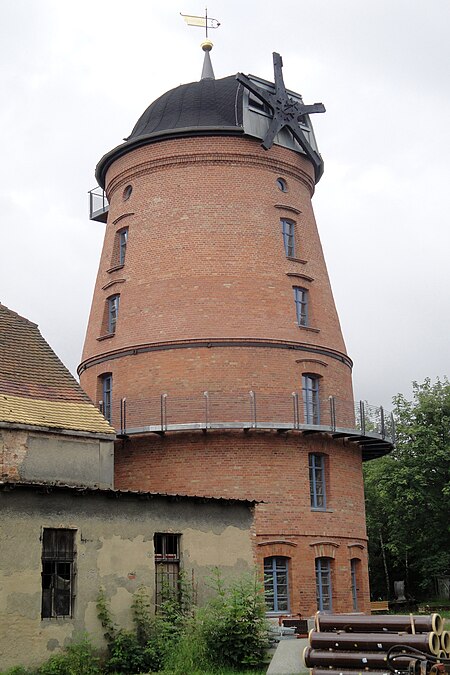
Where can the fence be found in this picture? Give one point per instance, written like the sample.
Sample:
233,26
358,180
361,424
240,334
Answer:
251,410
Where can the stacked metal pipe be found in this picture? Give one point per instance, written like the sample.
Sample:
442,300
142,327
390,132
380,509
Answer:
352,643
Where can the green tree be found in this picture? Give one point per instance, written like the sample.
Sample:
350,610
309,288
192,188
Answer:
407,495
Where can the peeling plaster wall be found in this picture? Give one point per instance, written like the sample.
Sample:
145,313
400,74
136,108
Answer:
55,458
114,549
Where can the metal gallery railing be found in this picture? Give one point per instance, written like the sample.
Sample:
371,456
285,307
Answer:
249,410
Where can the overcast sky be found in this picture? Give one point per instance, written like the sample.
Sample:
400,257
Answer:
75,77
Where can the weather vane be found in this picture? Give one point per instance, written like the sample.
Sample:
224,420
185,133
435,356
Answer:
201,21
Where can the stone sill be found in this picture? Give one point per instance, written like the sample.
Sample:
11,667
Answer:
116,267
105,337
312,330
297,260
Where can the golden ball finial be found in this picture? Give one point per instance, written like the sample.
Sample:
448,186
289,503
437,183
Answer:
207,45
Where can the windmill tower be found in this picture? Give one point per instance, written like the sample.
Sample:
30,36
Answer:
214,344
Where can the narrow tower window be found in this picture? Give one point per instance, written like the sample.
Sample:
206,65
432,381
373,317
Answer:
288,229
323,584
276,588
57,572
301,305
311,403
113,312
123,238
354,563
106,381
317,481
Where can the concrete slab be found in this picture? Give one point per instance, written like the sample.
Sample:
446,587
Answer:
288,658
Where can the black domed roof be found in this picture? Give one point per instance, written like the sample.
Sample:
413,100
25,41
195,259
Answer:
234,105
195,109
207,103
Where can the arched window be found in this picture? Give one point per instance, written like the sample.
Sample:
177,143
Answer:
311,401
323,584
276,585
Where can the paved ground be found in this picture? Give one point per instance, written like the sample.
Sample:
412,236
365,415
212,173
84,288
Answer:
287,659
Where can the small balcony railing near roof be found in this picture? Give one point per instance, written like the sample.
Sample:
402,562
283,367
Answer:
369,426
98,205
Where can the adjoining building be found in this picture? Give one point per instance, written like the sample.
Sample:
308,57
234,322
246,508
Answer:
66,532
214,346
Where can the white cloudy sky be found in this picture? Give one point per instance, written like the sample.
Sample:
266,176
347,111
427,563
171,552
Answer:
75,76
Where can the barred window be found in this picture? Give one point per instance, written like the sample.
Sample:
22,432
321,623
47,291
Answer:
167,566
58,555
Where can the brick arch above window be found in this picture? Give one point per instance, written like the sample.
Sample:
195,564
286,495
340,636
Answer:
316,363
287,207
276,547
324,549
112,283
124,215
277,542
355,551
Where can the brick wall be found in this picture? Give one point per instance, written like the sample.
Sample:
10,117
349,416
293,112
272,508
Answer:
272,468
205,255
207,304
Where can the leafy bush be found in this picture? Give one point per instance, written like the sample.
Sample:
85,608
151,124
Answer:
130,652
126,655
233,625
77,659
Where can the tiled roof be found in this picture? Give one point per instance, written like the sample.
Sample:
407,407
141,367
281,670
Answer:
35,387
55,414
48,488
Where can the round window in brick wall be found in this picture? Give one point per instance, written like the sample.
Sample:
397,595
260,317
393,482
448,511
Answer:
282,184
127,192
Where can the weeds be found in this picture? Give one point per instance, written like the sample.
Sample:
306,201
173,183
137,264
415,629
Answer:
228,634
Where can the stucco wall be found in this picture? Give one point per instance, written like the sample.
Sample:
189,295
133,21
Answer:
114,550
50,458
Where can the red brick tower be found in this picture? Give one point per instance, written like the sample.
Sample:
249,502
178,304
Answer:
214,343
